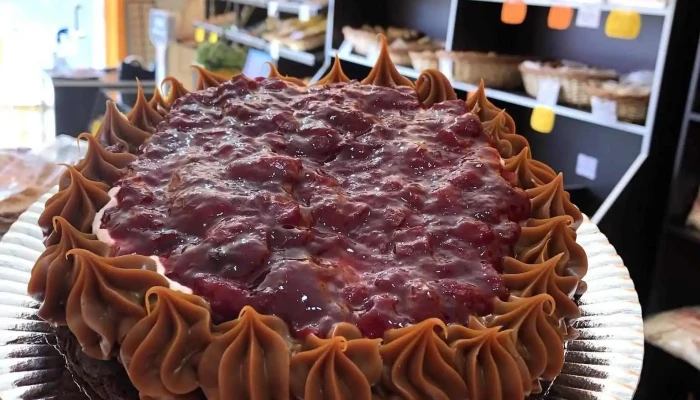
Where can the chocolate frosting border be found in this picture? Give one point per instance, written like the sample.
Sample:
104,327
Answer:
532,323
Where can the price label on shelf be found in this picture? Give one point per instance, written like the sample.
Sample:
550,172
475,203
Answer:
560,17
548,91
345,48
304,12
513,12
273,9
543,116
623,24
604,110
446,66
199,35
588,16
213,37
275,49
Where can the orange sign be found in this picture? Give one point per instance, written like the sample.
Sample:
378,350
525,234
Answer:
560,17
513,12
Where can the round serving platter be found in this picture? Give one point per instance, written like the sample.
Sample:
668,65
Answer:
603,363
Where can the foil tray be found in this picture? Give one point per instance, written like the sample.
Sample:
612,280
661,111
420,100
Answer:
603,363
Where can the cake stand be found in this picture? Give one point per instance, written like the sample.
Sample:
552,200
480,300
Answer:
603,363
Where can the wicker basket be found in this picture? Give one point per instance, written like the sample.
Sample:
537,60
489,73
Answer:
497,71
572,79
631,104
422,60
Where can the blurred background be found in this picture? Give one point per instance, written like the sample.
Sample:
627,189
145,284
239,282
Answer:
606,91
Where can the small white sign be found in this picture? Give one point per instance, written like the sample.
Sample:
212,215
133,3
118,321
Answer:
588,16
304,12
586,166
446,66
604,110
548,92
273,9
373,54
275,49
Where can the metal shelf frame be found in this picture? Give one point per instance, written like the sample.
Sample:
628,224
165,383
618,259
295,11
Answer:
666,12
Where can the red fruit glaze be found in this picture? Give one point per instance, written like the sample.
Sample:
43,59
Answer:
345,202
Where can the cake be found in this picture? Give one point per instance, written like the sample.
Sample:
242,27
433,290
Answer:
260,239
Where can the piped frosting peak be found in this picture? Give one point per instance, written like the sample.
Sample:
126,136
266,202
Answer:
143,116
157,102
530,173
335,75
433,87
175,91
507,144
551,200
77,203
384,72
488,361
418,363
207,79
50,280
274,73
106,299
479,104
117,130
98,164
248,360
162,351
344,366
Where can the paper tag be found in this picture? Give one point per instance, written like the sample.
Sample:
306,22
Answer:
304,12
542,119
373,54
623,24
345,48
199,35
548,91
513,12
603,109
586,166
588,16
213,37
273,9
446,66
275,49
559,17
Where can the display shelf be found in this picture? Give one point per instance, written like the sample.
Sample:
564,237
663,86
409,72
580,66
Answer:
290,7
659,9
508,97
694,116
238,36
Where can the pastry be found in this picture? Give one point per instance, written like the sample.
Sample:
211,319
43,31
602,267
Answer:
350,240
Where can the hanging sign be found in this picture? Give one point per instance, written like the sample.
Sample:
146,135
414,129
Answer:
273,9
623,24
604,110
199,35
275,49
560,17
543,116
304,12
513,12
213,37
446,66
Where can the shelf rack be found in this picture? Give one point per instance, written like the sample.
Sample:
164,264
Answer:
290,7
239,36
663,10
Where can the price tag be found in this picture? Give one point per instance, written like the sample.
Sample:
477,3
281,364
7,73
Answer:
199,35
548,91
373,54
275,49
542,119
623,24
304,12
273,9
560,17
513,12
446,66
213,37
603,109
588,16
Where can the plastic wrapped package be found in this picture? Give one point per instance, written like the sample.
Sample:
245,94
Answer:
26,175
677,332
